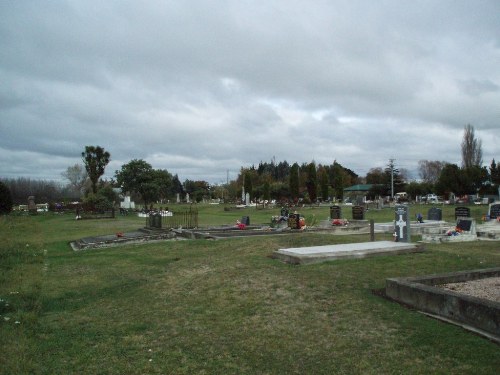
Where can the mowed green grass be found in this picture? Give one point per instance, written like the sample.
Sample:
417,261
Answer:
220,307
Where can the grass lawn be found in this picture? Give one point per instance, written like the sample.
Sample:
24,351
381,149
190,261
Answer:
221,307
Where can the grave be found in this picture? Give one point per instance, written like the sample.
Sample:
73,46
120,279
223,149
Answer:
294,221
427,294
154,220
358,213
494,211
462,212
463,231
435,213
317,254
31,205
335,212
402,231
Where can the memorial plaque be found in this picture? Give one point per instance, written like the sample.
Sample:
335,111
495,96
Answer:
435,214
462,212
402,224
335,212
494,211
294,221
464,224
358,213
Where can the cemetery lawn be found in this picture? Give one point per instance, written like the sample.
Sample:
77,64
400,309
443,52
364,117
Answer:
220,307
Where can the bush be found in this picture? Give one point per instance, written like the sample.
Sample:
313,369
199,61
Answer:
5,199
97,202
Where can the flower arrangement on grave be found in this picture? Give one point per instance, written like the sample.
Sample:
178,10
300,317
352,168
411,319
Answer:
339,222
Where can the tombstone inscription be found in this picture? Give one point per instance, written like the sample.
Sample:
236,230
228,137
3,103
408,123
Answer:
335,212
358,213
462,212
402,224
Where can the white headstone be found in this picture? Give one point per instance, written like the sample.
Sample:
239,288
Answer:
187,197
178,198
247,199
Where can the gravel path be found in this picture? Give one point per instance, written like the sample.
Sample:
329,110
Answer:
488,288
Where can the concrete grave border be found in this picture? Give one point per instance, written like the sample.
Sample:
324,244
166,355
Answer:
476,314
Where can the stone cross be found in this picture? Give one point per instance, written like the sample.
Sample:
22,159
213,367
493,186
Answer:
400,224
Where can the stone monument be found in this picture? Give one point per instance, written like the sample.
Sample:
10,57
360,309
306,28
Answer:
402,224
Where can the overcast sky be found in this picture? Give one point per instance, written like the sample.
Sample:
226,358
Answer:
204,87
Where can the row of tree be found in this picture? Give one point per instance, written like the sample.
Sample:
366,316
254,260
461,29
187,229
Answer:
280,181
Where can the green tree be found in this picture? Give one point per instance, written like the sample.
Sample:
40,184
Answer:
323,183
495,172
95,159
294,182
450,181
247,183
312,182
5,199
138,176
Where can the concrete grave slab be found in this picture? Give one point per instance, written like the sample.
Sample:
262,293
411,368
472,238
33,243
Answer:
317,254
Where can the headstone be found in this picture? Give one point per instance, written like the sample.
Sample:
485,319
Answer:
402,224
462,212
247,199
178,198
435,213
335,212
358,213
31,205
494,210
284,212
245,220
187,198
154,220
465,224
294,221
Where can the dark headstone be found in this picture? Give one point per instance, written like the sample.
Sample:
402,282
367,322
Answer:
284,212
358,213
435,214
464,224
462,212
294,221
31,205
154,220
402,224
335,212
494,211
245,220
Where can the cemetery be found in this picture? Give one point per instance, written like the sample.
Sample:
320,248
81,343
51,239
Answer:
218,281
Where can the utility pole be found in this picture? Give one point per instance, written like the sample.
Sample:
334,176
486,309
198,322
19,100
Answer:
391,165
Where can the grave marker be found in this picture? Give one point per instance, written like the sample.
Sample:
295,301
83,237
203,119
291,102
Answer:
402,224
494,210
31,205
462,212
294,221
435,213
358,213
335,212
